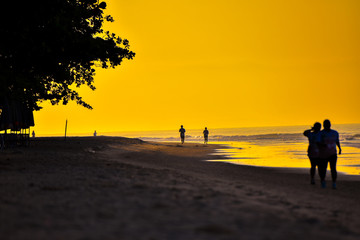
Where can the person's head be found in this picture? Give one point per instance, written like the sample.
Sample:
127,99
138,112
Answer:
316,127
181,125
327,124
205,127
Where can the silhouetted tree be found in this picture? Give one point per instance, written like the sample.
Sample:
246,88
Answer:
49,46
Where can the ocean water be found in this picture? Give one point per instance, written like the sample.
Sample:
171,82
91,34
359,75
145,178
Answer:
265,146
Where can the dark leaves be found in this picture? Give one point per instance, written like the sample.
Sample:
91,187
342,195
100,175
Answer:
49,47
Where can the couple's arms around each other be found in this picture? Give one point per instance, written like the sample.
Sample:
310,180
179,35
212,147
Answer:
320,141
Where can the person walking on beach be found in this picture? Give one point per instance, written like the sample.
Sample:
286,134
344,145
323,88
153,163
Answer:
206,135
329,139
182,134
313,135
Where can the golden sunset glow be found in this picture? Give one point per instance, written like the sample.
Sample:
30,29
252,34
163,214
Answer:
223,64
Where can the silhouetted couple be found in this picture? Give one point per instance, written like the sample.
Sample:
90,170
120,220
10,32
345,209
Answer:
322,150
182,134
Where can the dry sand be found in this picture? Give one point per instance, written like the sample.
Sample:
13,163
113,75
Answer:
118,188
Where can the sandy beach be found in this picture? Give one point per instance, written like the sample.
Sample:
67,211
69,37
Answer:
120,188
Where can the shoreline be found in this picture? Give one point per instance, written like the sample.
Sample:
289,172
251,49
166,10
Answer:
120,188
233,155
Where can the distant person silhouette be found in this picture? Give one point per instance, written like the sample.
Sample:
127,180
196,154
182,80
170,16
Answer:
182,134
206,135
95,133
329,139
313,135
33,134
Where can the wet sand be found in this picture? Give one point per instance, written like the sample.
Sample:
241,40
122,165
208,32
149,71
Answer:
119,188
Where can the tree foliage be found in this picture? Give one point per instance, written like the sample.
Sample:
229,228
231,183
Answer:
49,46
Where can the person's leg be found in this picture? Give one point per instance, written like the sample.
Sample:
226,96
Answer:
333,160
322,168
312,170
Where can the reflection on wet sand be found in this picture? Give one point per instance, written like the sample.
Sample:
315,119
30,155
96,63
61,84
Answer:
287,155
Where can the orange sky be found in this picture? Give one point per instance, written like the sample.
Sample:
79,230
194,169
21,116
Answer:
229,63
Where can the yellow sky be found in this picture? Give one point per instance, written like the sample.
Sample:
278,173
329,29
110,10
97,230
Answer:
229,63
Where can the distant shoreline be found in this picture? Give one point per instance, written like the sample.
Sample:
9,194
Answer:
174,132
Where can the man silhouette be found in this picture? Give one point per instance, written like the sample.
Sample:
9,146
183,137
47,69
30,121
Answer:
329,139
206,135
182,134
